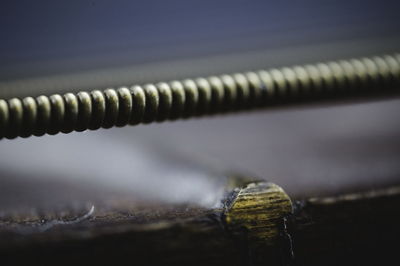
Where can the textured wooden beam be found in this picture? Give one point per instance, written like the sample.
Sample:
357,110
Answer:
351,229
257,224
243,231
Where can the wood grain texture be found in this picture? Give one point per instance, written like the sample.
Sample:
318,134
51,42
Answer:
255,226
351,229
126,234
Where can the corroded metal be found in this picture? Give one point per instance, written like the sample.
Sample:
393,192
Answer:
256,215
196,97
258,208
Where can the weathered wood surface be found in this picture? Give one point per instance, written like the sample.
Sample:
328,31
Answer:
255,225
351,229
155,235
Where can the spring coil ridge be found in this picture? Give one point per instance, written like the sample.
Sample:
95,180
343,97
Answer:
195,97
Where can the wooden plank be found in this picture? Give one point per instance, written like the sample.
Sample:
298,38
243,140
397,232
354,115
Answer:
257,224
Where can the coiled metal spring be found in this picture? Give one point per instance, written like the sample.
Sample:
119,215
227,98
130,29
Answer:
195,97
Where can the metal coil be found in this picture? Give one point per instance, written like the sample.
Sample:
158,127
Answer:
196,97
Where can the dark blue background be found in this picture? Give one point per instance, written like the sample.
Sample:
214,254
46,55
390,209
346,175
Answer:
90,34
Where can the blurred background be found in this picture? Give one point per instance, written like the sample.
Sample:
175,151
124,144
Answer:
53,47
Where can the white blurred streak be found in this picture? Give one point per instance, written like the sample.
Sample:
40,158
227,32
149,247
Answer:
119,165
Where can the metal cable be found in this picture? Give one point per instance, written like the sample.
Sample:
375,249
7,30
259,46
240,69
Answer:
195,97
